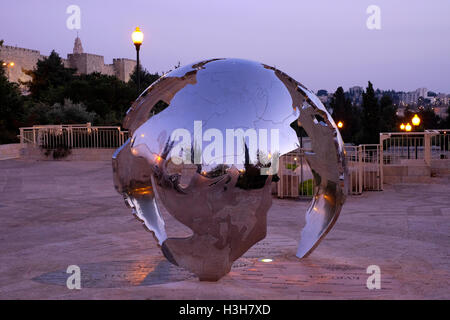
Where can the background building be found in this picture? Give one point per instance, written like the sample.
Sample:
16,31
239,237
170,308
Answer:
355,94
84,63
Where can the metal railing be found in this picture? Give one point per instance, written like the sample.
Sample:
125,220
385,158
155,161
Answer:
353,158
440,144
364,172
410,147
364,168
296,178
73,136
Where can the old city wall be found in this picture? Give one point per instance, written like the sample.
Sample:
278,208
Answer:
23,59
84,63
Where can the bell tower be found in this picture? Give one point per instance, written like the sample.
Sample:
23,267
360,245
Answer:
77,47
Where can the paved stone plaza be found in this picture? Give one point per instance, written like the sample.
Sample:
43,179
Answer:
56,214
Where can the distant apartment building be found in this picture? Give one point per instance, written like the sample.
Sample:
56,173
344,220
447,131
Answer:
408,97
412,97
20,59
324,96
441,98
355,94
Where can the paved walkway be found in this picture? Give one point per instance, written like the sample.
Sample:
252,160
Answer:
55,214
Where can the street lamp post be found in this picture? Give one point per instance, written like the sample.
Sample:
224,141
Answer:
408,129
416,122
402,128
138,37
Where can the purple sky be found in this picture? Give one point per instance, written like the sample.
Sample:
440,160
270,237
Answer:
321,43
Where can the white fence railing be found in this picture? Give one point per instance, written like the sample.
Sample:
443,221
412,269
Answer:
407,147
364,168
296,178
440,144
364,162
73,136
364,172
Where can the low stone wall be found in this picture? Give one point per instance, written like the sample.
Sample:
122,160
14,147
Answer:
440,166
9,151
35,153
410,173
415,172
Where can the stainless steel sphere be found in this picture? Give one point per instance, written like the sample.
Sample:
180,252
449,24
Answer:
206,143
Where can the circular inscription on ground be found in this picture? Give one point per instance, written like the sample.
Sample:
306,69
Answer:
115,274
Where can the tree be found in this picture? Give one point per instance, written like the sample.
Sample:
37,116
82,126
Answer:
429,119
407,115
445,124
59,113
343,111
146,78
105,95
49,79
11,109
370,120
388,119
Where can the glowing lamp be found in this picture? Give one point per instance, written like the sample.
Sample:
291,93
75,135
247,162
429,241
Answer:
137,36
408,127
415,120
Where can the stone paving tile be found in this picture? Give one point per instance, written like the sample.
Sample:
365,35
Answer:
54,214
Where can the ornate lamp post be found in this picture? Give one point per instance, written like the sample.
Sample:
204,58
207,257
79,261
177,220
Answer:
408,129
402,128
138,37
416,122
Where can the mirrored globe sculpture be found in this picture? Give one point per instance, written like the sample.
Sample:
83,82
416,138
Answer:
205,146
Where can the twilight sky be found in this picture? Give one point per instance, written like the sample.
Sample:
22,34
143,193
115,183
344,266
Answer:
321,43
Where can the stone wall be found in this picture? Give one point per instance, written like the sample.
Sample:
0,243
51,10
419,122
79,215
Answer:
407,173
10,151
84,63
124,68
109,70
23,59
440,166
